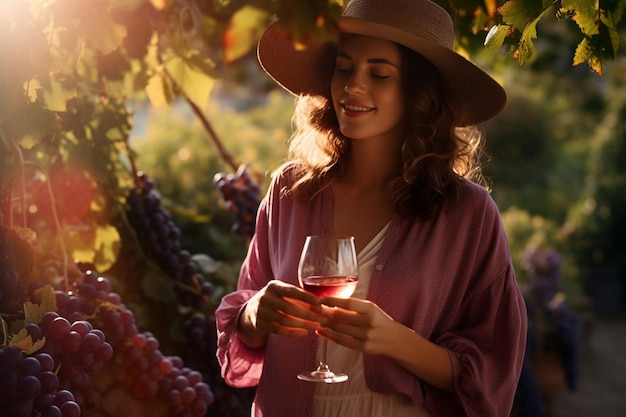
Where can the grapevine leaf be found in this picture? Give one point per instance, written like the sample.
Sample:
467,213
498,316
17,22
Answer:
100,31
585,53
610,21
32,123
526,48
585,14
242,33
159,91
46,297
191,78
496,36
518,13
98,245
33,312
52,91
107,247
21,340
24,342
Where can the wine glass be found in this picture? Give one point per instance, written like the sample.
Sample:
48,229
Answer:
327,267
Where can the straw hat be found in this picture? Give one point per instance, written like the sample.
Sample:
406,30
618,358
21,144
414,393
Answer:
420,25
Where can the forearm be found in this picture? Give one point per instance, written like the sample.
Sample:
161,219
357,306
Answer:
426,360
246,326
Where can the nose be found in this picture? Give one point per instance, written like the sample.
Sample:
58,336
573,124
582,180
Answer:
354,84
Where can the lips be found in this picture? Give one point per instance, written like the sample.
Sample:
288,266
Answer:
355,109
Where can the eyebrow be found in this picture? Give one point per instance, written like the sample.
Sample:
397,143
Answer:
370,61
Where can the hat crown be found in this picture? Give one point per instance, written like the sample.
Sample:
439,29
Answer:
421,18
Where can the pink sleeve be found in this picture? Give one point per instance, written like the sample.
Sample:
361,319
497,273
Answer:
241,365
486,356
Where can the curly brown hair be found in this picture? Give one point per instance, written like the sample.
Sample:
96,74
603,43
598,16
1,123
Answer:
437,155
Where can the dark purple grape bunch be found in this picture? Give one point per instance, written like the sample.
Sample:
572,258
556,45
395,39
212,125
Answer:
159,238
543,267
242,197
148,374
30,386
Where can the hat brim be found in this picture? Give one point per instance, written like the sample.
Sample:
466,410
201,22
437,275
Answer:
308,71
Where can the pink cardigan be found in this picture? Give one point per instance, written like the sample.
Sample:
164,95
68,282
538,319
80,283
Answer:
450,279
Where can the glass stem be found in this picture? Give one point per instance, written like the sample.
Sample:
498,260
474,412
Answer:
323,367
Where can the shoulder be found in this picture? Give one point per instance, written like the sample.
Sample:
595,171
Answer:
287,174
474,196
471,203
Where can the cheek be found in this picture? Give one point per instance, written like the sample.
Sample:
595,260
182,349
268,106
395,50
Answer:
394,101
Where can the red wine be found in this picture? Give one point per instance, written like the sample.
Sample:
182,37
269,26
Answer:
330,286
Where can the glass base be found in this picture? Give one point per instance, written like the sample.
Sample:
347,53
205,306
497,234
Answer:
325,376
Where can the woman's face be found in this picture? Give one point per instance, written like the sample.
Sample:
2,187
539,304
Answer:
366,88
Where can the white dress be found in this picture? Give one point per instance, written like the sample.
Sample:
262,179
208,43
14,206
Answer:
353,398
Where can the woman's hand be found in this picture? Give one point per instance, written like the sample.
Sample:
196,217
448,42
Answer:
282,309
362,325
358,324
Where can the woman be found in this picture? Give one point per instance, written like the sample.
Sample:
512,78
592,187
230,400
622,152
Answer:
383,151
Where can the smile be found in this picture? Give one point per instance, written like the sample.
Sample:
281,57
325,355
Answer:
354,108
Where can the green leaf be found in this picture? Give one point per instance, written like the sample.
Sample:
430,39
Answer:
99,245
586,14
191,78
46,297
496,36
107,246
243,31
159,91
96,24
585,53
24,342
51,89
32,123
518,13
526,47
610,20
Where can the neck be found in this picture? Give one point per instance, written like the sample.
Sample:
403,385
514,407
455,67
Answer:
372,164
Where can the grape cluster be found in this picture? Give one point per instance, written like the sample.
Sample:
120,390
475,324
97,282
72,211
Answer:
78,350
242,197
29,383
144,370
159,238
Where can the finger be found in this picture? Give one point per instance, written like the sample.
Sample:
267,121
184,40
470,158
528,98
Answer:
340,338
354,304
284,290
294,317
